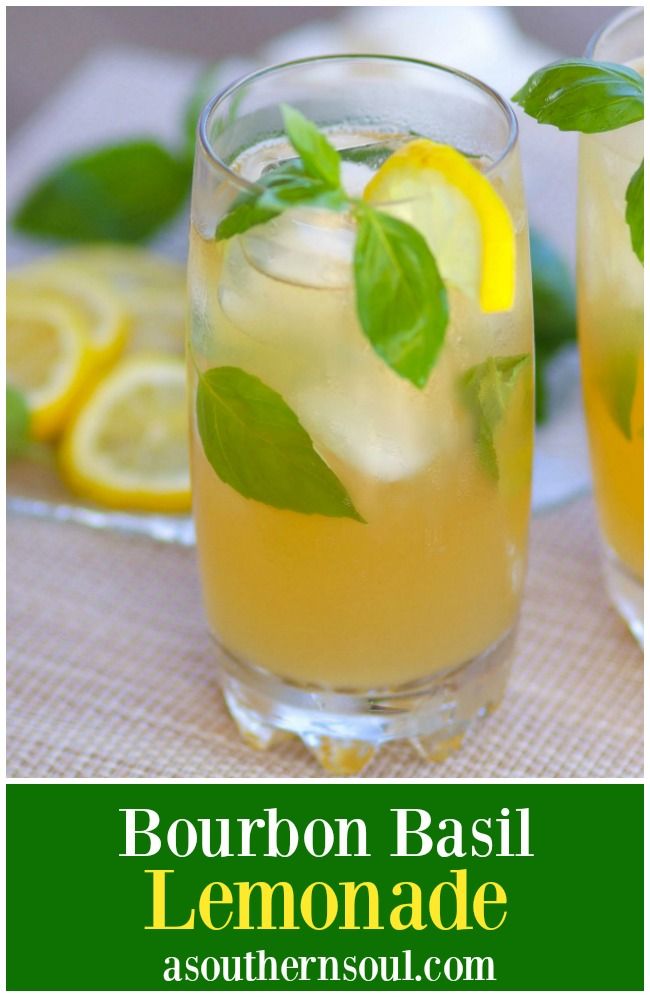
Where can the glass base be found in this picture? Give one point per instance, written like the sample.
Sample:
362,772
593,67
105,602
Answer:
625,591
344,729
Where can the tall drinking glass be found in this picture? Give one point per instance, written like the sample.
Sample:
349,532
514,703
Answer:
610,328
396,621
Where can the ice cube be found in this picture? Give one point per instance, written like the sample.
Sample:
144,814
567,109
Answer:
304,324
354,177
306,246
375,421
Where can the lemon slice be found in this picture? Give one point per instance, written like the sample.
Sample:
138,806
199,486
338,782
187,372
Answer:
157,321
127,446
458,211
148,287
128,268
48,359
104,319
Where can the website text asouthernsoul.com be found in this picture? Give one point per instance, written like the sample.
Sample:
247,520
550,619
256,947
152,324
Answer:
258,966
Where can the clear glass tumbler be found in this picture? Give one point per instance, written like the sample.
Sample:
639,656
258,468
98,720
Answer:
350,631
610,330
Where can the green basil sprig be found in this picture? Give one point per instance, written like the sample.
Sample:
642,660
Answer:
251,437
486,389
282,188
319,158
578,95
584,96
400,297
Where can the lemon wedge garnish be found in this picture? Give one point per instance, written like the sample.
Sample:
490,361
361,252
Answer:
48,359
148,287
104,319
455,207
127,446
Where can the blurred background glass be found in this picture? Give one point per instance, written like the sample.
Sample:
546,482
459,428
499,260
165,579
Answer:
57,39
82,79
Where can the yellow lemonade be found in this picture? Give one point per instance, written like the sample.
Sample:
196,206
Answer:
434,575
610,325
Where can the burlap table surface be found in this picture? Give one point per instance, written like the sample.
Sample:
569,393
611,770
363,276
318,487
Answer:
111,672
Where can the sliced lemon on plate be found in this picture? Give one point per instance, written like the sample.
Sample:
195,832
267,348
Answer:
149,287
127,446
48,359
455,207
129,269
157,321
104,319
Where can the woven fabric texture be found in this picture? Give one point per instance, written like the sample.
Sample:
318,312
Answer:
111,671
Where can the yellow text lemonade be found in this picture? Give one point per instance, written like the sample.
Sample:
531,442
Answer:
433,575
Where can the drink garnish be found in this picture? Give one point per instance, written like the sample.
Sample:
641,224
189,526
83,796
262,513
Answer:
634,210
589,97
464,220
401,299
486,389
256,444
390,251
251,437
417,326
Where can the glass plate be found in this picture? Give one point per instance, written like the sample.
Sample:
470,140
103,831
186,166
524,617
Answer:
561,473
34,489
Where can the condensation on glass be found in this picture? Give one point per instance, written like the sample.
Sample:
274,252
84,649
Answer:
345,634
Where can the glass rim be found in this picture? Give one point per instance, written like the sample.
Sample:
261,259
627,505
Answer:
233,87
627,14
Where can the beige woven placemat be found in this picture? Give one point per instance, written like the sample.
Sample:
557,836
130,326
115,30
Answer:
111,674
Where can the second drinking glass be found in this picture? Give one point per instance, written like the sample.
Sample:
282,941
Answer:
361,371
610,326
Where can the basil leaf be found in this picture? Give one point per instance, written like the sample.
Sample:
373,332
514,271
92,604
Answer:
618,385
256,444
401,299
634,211
583,96
486,389
320,159
373,155
247,210
554,310
282,188
245,213
17,422
290,187
121,193
312,180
